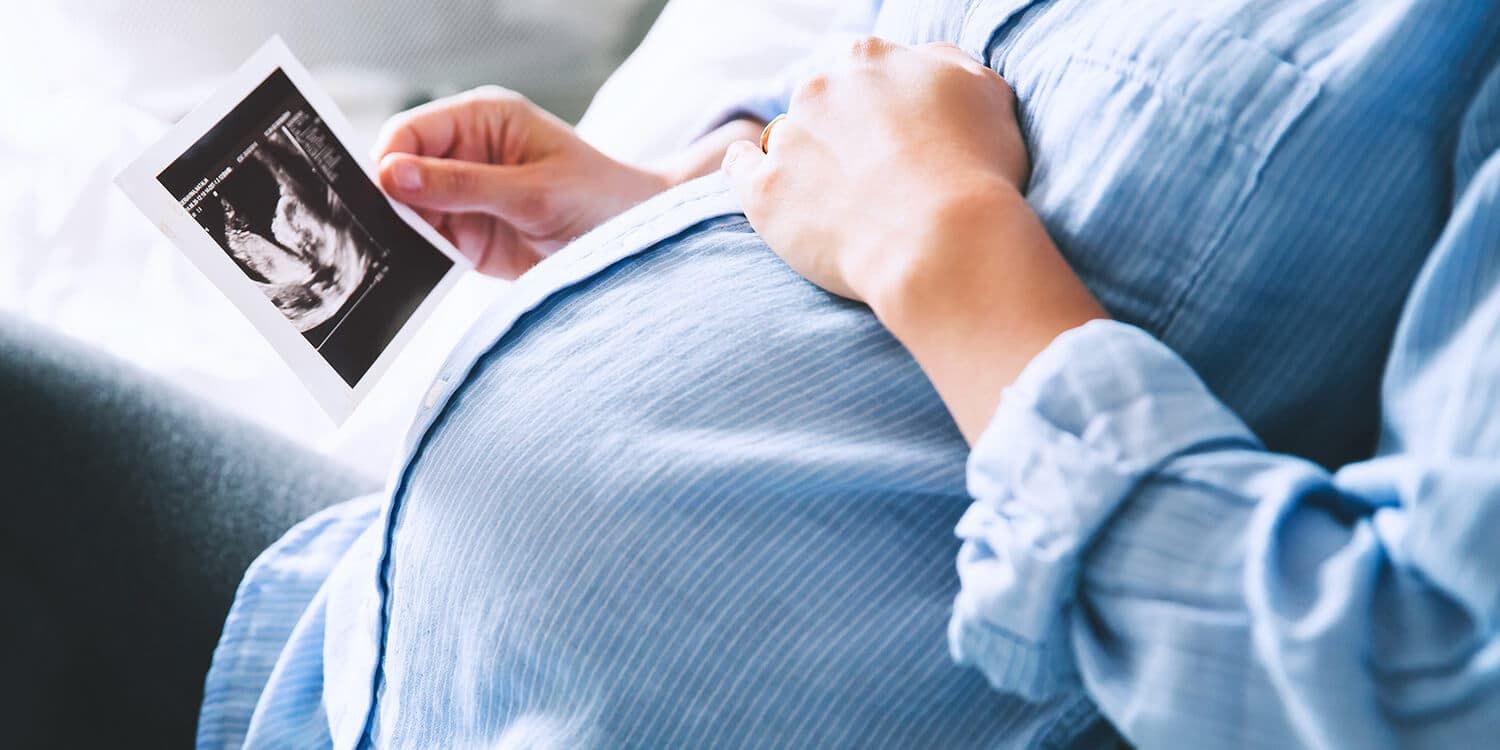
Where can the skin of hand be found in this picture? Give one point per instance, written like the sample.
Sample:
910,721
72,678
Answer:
508,183
896,179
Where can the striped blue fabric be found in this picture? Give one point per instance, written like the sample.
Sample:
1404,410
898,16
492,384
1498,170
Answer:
667,494
1240,598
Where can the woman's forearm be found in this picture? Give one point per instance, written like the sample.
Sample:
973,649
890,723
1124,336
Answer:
979,296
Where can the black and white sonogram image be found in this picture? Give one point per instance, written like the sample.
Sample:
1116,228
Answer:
289,232
282,197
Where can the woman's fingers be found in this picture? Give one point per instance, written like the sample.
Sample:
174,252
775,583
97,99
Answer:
473,235
474,206
428,130
493,246
435,128
456,186
743,161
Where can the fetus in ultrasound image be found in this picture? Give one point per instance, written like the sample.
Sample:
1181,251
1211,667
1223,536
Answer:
290,233
282,197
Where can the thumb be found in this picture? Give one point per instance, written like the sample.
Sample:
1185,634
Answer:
742,160
454,185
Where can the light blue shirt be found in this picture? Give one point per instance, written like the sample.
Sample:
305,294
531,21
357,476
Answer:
667,494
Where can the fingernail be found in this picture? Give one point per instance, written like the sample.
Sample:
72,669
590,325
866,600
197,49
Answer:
408,175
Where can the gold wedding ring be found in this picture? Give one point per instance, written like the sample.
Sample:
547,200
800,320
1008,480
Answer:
765,135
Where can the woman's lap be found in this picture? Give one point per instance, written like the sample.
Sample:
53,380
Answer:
133,509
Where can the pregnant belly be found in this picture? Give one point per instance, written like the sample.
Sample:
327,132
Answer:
694,501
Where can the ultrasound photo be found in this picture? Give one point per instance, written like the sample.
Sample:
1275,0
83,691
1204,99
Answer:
290,233
282,197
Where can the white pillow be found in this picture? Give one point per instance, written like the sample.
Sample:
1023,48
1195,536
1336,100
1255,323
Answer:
692,63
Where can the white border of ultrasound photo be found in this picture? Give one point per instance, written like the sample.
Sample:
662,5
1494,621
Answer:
139,181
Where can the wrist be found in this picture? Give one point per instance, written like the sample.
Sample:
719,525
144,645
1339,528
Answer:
979,296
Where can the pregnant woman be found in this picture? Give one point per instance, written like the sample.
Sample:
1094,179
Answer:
668,493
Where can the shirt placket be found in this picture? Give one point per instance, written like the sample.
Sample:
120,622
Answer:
631,233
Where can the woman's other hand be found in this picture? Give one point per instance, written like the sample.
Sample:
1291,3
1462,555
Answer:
896,179
504,180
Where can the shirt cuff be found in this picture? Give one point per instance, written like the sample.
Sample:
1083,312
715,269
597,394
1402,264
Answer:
1099,409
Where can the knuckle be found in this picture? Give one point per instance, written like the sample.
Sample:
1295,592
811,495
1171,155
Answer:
867,47
458,182
812,89
767,180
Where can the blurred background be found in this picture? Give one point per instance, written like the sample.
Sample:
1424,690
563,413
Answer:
86,85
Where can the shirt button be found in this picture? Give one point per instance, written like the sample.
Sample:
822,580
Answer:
435,392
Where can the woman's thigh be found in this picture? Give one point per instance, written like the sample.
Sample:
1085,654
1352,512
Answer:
131,511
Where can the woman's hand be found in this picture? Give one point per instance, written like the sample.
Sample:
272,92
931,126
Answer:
896,179
503,179
508,183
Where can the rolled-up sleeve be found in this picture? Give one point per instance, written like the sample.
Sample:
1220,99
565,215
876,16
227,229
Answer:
1098,411
1129,533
